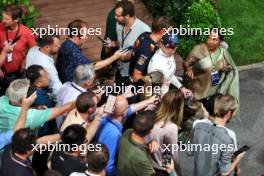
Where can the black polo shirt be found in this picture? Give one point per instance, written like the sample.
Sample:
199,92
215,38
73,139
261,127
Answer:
66,164
144,48
14,166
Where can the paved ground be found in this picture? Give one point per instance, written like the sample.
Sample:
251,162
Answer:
250,130
94,12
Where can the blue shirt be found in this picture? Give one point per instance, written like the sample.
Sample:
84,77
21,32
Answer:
43,98
46,99
109,134
5,138
69,57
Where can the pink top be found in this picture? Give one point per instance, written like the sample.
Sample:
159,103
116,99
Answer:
165,135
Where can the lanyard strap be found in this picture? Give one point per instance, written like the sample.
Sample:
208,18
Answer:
213,63
6,33
124,37
76,88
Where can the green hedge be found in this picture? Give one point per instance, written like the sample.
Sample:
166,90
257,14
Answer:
169,8
201,14
31,12
187,14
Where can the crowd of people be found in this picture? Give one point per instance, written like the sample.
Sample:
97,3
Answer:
51,95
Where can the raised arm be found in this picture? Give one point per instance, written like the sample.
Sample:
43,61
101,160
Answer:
103,63
92,128
26,103
57,111
143,104
49,139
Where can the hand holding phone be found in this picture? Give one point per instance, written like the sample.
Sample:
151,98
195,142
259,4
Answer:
127,48
241,150
188,99
31,90
166,159
27,102
110,103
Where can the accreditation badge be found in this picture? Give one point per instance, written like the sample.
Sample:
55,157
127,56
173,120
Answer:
9,57
215,77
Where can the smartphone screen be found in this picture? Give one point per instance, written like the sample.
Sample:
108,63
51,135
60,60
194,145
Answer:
109,106
31,90
166,159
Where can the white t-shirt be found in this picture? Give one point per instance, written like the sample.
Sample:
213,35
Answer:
129,39
36,57
67,93
83,174
166,65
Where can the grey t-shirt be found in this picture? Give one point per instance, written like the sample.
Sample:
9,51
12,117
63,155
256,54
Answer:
215,145
126,40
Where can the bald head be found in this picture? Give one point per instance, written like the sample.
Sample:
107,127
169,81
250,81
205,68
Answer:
121,105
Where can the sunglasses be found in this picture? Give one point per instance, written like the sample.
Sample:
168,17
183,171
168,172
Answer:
170,46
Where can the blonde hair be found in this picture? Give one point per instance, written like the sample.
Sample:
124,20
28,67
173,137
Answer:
224,104
171,108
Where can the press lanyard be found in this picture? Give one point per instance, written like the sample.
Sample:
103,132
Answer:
213,63
124,37
76,88
6,33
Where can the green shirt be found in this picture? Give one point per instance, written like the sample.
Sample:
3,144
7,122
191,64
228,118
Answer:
110,31
133,158
111,26
9,115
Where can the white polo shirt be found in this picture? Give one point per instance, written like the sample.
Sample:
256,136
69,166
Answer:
166,65
67,93
126,40
36,57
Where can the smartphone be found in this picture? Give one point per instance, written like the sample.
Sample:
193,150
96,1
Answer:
166,159
127,48
31,90
188,99
241,150
157,95
102,40
109,106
